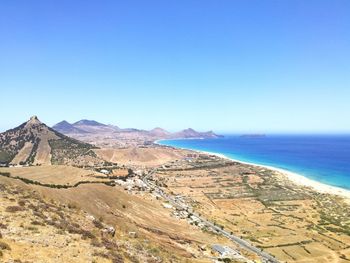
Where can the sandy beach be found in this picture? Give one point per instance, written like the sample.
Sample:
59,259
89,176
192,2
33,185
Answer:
294,177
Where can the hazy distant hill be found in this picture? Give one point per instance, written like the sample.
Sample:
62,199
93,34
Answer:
89,123
159,132
95,128
84,126
107,136
190,133
34,143
66,127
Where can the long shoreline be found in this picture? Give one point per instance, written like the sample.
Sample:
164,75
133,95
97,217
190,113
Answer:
296,178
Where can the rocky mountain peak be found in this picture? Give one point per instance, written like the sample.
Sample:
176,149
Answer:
33,142
33,121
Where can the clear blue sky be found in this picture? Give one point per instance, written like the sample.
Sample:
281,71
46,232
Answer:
242,66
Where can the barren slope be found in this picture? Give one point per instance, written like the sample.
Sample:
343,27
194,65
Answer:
158,237
34,143
141,156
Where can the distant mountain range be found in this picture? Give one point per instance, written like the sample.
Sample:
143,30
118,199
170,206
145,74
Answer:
34,143
85,127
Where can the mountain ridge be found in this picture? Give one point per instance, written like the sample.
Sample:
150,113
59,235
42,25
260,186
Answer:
94,127
35,143
66,127
89,123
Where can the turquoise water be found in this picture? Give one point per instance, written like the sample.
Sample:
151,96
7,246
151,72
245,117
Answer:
322,158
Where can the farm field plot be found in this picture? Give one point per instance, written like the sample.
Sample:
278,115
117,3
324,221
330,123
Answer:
293,223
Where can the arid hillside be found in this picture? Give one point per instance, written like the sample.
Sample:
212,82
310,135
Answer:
34,143
90,222
141,156
291,222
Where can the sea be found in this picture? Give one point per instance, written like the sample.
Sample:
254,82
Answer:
322,158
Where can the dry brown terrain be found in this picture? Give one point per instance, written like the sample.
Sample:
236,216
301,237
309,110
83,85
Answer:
33,229
24,153
141,156
119,139
291,222
43,155
156,235
53,174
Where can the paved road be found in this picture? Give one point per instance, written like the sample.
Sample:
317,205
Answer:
243,243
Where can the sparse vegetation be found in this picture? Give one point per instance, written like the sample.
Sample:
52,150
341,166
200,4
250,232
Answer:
21,203
97,223
57,186
14,209
31,157
263,207
4,246
66,149
30,135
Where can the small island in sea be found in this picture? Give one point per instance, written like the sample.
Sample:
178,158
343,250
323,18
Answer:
253,135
